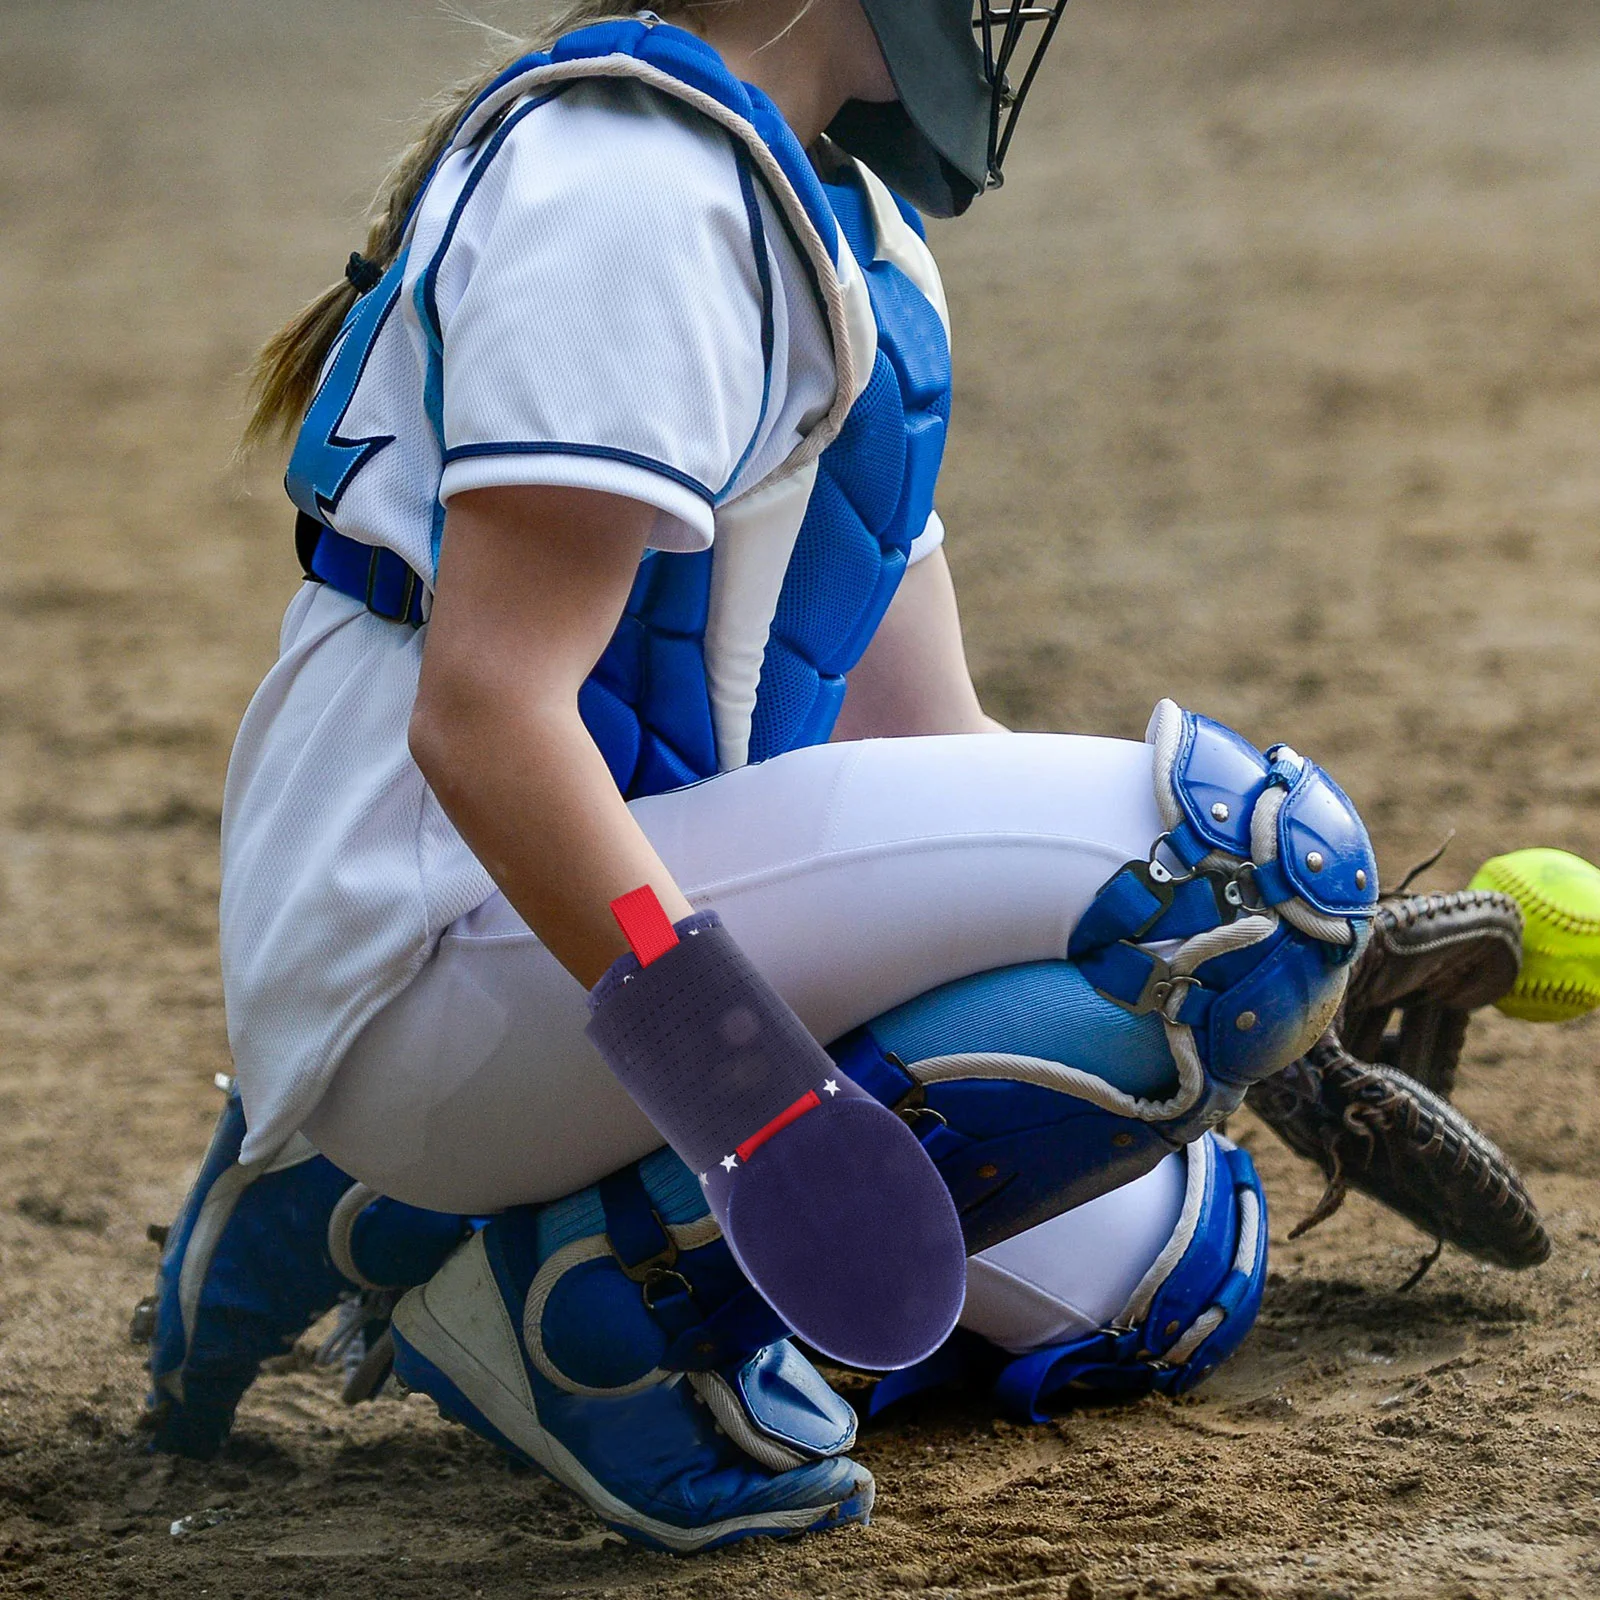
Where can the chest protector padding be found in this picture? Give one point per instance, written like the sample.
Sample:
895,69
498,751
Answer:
873,497
647,705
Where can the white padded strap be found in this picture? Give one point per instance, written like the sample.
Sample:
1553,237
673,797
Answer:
1165,732
686,1236
1264,848
900,245
1221,941
718,1395
341,1224
1244,1258
1044,1074
1197,1156
1199,1331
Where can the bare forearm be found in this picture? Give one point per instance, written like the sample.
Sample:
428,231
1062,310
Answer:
534,800
531,583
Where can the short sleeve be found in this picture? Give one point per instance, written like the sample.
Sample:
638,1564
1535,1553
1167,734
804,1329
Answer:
926,542
599,310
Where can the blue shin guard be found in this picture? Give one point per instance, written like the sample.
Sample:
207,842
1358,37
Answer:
1190,1313
256,1256
1187,1315
609,1340
1195,972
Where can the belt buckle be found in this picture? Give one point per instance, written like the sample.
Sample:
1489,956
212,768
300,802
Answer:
409,594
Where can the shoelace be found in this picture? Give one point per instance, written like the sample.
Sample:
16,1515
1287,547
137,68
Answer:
359,1345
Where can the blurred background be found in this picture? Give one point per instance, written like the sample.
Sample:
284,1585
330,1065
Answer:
1278,391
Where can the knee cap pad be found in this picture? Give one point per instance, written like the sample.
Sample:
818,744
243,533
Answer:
1211,964
1265,881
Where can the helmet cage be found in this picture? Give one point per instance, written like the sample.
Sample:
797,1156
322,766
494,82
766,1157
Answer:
1009,67
961,71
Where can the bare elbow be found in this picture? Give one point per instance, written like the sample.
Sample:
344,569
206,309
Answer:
433,732
470,717
457,694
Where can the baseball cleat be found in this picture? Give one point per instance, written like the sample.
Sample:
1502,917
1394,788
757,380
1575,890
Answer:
538,1338
256,1256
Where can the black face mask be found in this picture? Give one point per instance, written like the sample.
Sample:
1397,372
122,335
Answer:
962,69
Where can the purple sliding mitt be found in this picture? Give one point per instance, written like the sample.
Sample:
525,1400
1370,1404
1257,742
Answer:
824,1196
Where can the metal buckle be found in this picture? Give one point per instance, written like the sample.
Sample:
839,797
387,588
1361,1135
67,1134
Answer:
650,1286
912,1106
1161,873
1158,880
1235,891
1160,988
408,595
1243,893
661,1263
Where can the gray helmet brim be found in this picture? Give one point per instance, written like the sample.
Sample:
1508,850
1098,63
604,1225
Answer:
933,144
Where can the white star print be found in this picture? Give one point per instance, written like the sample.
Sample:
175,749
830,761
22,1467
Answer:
729,1163
831,1086
705,1177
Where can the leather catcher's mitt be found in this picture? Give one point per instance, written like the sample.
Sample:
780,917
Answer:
1435,958
1373,1128
1369,1102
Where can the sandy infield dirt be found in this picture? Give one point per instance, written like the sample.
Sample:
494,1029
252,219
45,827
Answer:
1278,369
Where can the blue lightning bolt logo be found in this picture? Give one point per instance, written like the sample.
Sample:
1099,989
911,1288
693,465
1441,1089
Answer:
324,463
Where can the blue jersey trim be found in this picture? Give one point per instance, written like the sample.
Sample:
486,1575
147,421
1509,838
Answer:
598,452
758,243
433,405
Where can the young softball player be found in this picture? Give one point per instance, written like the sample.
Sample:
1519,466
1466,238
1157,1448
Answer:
627,624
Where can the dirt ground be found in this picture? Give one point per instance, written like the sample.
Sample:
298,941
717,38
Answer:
1278,390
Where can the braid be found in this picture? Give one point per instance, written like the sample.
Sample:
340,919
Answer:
285,373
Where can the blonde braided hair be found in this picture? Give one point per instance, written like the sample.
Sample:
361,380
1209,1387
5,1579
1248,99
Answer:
284,375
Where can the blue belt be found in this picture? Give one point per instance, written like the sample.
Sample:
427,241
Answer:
381,580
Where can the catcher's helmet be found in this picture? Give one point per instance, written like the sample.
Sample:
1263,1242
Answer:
962,72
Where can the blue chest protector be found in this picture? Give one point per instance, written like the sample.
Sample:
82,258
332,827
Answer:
647,703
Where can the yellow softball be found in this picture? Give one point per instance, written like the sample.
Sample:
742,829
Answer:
1560,898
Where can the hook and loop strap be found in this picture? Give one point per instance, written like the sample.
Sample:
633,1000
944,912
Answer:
373,574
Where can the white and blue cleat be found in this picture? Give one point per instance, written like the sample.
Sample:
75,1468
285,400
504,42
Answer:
563,1334
557,1345
256,1256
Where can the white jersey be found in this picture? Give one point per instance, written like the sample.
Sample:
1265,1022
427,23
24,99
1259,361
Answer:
593,295
590,273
